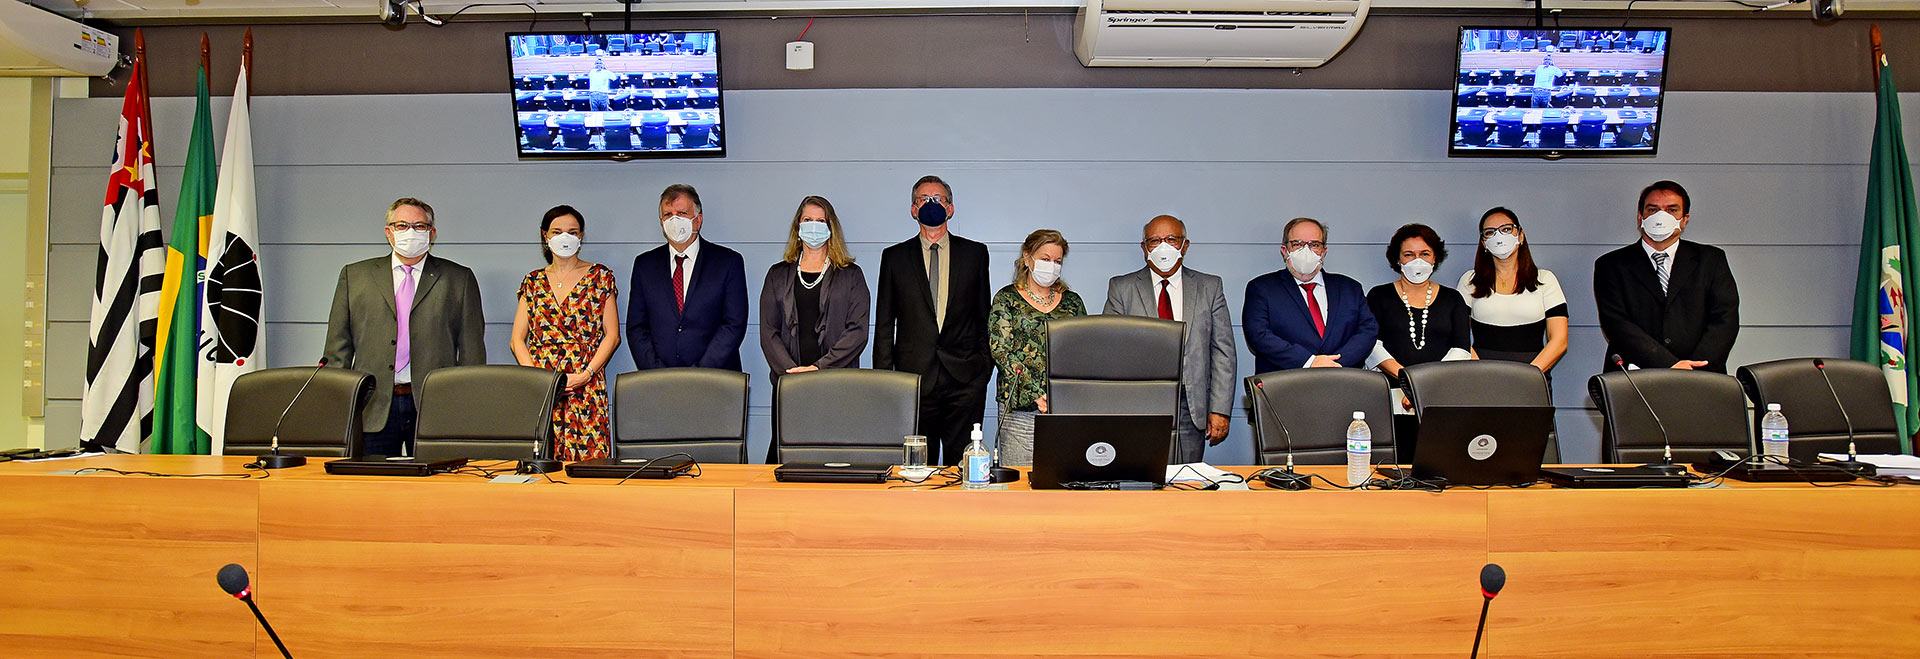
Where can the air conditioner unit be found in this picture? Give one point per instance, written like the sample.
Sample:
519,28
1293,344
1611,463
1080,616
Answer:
1230,33
37,42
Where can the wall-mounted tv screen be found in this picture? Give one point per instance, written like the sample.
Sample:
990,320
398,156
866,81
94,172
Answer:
617,95
1552,93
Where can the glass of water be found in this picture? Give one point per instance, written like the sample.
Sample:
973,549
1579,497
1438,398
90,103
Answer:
914,450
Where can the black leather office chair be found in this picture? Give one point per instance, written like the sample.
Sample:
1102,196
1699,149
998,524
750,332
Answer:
1480,382
1113,364
1814,421
323,423
1313,407
845,415
1702,412
699,411
486,412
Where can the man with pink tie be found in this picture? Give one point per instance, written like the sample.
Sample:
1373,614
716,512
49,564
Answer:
400,316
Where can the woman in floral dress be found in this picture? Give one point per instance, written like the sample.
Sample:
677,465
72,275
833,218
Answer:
568,320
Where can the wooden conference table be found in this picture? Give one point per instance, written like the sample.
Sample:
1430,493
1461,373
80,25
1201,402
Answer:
735,564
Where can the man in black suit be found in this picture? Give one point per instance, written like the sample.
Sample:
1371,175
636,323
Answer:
931,319
687,303
1666,302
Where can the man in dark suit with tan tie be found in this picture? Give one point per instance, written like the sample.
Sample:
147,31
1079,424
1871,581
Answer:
399,317
1665,302
1167,289
930,318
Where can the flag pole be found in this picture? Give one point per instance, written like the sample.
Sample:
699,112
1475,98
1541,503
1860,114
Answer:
246,60
140,66
1879,56
206,55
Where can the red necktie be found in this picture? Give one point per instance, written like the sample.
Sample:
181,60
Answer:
1166,302
679,284
1313,307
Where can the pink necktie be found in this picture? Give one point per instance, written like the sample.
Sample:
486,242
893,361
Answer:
403,317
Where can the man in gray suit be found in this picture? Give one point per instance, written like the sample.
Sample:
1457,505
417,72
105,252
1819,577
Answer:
399,317
1168,290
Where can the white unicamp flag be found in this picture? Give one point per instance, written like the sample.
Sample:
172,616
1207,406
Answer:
232,326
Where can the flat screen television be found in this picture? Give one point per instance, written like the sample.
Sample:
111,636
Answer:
1558,92
618,95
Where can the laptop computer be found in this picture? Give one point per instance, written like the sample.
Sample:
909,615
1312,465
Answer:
1100,448
1610,477
832,472
665,467
399,465
1471,445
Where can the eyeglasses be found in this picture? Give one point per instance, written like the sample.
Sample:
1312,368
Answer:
1151,243
1508,229
1315,245
416,226
935,198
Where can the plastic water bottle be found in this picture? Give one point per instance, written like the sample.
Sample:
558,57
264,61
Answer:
977,462
1773,432
1359,450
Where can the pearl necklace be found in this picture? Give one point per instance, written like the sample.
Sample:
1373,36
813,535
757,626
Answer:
817,278
1419,338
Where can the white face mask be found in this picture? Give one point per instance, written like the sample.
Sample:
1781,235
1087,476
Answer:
814,233
411,243
1303,262
1502,245
564,245
678,228
1045,273
1416,271
1164,256
1659,226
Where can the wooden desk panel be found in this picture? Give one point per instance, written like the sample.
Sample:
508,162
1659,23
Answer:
114,566
844,572
479,569
1761,572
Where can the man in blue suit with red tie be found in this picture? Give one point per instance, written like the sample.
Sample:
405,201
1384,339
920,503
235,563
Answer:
1302,317
687,304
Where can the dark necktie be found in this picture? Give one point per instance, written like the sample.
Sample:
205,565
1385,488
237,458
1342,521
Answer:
1166,302
679,284
1313,307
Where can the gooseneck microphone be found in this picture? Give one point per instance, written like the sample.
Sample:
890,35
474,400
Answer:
233,579
1666,465
1492,579
1285,478
273,459
1852,464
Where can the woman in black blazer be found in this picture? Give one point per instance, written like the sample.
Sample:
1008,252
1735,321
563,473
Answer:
813,306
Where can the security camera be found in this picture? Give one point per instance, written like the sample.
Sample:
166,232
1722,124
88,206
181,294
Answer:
394,12
1827,10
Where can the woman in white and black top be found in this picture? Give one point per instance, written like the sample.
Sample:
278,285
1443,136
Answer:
1519,311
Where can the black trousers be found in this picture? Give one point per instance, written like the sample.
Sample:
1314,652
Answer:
948,411
396,438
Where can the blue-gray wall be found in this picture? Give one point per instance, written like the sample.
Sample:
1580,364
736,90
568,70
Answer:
1778,179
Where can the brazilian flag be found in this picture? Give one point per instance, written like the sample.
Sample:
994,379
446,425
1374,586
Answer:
181,296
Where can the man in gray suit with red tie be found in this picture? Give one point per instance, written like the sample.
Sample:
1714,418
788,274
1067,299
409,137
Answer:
400,316
1169,290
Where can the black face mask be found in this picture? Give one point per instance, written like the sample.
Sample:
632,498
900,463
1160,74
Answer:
932,214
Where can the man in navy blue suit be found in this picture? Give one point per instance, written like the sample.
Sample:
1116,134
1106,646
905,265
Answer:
687,302
1302,317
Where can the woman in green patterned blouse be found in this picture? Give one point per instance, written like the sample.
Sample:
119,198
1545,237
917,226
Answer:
1017,336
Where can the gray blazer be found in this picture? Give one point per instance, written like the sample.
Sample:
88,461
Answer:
844,300
447,326
1210,362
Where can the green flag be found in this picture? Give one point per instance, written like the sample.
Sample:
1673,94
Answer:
174,397
1881,318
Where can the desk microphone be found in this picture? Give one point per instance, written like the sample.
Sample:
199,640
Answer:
537,464
1852,464
1492,579
273,459
233,579
1285,478
1666,465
